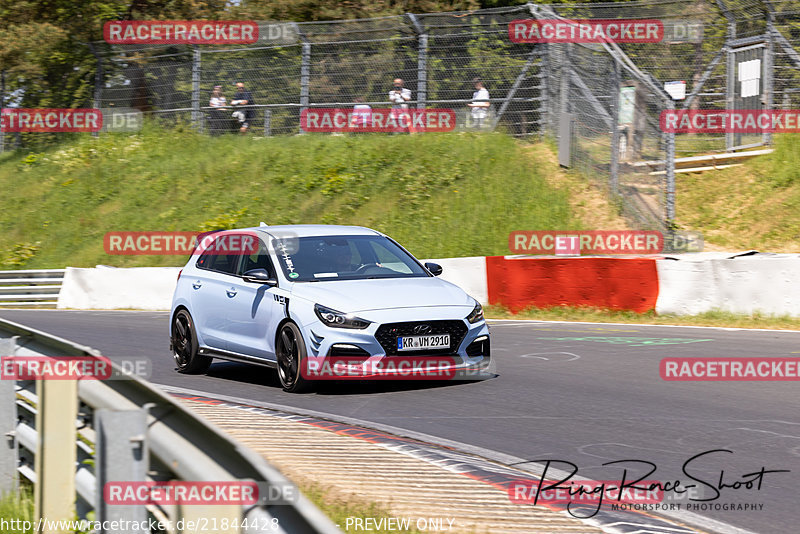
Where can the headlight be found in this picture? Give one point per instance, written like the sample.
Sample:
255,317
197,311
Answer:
476,314
337,319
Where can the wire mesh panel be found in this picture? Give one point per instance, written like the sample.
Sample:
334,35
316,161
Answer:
706,58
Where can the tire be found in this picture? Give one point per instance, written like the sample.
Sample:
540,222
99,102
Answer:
184,345
290,351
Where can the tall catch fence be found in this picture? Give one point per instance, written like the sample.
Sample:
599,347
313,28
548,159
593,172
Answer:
600,102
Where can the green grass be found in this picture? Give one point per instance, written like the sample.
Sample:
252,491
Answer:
755,206
16,507
441,195
597,315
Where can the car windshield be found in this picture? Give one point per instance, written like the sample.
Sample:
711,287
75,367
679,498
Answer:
352,257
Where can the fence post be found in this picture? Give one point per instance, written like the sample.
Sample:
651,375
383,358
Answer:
422,61
544,93
670,169
121,456
267,122
730,86
197,120
56,450
8,421
769,58
305,77
97,96
564,117
613,178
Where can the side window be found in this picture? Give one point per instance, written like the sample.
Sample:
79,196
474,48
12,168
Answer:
259,260
213,260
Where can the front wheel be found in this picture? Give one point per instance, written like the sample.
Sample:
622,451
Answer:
184,345
291,353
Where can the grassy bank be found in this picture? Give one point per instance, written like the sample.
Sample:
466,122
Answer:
440,195
755,206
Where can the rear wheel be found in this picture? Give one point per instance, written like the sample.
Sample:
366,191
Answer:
184,345
291,353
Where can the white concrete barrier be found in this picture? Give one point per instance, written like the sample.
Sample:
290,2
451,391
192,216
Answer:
761,283
467,273
770,285
151,288
109,288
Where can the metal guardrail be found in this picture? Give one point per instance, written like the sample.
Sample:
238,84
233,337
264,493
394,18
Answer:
34,288
126,430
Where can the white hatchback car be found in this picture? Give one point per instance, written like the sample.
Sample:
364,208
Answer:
317,302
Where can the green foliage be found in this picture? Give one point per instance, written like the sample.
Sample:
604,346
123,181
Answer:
441,195
19,254
17,506
781,168
224,221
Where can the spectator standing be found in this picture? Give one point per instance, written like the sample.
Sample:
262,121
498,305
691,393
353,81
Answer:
218,114
399,97
243,100
480,103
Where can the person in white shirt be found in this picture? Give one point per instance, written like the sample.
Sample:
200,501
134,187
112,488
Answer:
399,96
480,103
217,116
217,98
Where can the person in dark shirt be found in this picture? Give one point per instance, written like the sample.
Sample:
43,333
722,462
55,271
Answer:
243,100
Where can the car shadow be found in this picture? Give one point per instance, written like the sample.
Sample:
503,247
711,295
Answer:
257,375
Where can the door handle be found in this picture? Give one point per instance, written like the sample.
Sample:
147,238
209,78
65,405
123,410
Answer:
231,292
197,284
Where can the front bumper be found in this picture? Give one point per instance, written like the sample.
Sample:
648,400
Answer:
338,353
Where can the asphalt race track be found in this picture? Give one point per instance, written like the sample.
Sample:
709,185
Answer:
577,392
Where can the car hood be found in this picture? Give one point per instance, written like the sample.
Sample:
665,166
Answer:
351,296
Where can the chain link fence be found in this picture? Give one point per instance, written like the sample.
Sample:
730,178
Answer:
601,102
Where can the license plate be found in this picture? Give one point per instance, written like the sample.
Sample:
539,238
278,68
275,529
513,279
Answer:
423,342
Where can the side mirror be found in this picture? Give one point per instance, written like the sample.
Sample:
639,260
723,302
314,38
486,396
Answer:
434,268
259,276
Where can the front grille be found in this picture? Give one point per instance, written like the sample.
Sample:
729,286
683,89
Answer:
387,335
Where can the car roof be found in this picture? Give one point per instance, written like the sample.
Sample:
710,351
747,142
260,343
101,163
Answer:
312,230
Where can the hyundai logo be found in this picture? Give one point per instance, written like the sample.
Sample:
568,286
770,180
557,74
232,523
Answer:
421,329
